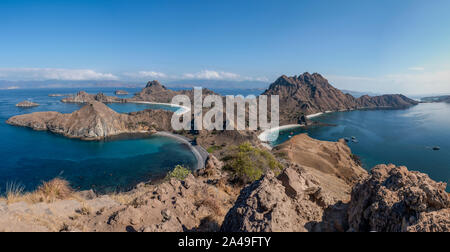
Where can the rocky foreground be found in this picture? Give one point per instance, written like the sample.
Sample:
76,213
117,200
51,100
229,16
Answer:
326,190
95,121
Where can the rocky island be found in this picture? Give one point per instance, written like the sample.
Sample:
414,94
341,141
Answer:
83,97
120,92
26,104
95,121
309,94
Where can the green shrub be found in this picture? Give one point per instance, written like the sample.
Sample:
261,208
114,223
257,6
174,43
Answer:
249,163
179,172
212,149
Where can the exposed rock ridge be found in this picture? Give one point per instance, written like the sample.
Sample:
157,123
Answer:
394,199
83,97
311,93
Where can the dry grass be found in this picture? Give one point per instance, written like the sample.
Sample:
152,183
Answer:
56,189
13,192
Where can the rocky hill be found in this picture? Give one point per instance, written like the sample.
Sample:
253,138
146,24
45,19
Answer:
83,97
155,92
310,195
95,121
312,93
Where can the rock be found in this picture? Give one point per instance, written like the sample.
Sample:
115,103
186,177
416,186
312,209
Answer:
95,121
156,92
83,97
293,202
331,158
311,93
120,92
393,199
88,194
26,104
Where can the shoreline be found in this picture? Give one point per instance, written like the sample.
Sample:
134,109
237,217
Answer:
199,152
184,111
263,137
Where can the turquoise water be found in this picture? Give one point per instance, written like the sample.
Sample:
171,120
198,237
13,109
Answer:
29,157
402,137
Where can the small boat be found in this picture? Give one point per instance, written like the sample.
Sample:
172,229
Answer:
355,141
353,137
347,139
436,148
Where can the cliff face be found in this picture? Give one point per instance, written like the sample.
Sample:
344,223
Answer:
94,121
83,97
311,93
393,199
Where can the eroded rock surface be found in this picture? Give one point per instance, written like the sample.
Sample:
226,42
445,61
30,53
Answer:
394,199
295,201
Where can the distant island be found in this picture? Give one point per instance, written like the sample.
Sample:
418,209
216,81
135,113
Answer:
443,98
26,104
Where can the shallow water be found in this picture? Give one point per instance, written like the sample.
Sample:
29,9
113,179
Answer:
30,157
402,137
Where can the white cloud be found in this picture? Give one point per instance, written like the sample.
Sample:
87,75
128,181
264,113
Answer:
421,82
147,74
416,68
212,75
54,74
220,75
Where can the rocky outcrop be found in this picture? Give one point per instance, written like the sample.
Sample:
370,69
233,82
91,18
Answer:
26,104
95,121
295,201
155,92
394,199
311,93
121,92
198,203
391,199
83,97
310,195
333,159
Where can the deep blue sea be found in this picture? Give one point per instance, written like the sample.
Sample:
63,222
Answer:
402,137
29,157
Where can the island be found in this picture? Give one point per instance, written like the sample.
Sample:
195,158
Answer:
120,92
26,104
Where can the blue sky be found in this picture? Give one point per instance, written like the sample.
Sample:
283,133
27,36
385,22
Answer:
372,45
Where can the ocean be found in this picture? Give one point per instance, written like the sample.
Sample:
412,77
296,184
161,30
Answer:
402,137
30,157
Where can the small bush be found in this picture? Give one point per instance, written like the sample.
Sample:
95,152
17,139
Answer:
212,149
56,189
179,172
249,163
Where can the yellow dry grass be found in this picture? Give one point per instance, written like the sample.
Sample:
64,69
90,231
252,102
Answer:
56,189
